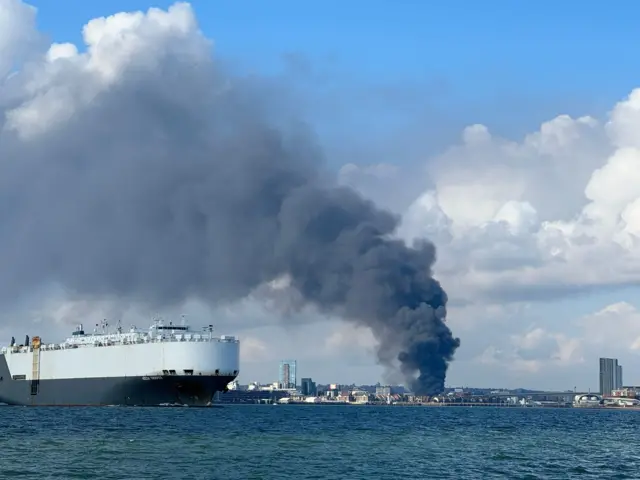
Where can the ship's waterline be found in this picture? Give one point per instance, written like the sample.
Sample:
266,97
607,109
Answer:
169,364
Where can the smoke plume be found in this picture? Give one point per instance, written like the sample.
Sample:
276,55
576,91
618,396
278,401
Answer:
142,171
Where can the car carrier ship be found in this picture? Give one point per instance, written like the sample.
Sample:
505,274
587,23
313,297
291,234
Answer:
166,365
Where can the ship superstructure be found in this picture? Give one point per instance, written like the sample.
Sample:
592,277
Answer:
168,364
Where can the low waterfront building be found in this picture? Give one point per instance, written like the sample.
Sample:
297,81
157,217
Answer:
383,390
626,392
359,396
587,400
344,396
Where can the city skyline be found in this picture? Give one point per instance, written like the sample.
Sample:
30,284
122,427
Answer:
610,378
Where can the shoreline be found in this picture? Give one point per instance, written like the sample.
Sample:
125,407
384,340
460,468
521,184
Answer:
434,405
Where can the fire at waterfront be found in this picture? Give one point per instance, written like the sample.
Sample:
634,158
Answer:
287,390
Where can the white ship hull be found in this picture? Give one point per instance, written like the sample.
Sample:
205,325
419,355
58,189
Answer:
152,373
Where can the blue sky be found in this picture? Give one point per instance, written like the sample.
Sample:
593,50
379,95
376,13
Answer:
501,63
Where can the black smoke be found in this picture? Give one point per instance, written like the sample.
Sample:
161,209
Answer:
177,181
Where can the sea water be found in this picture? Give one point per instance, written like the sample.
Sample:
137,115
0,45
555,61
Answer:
318,442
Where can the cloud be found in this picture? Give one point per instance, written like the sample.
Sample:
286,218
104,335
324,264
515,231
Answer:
552,215
518,224
253,350
144,172
534,351
18,35
349,339
612,331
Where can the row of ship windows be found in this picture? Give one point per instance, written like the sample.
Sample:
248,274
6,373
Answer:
165,372
190,372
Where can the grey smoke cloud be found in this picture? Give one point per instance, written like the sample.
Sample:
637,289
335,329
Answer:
157,177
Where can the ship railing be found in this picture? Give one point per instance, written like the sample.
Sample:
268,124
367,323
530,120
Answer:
16,349
96,342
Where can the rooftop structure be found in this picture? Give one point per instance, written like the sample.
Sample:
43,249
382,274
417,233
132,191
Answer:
158,332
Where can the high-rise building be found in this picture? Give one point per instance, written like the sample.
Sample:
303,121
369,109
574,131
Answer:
287,374
308,387
619,378
610,375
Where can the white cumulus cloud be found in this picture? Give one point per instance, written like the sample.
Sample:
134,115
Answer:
516,222
558,211
537,220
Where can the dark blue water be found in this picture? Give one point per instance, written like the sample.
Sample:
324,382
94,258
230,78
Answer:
309,442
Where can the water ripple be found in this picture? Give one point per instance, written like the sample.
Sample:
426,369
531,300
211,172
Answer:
256,442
